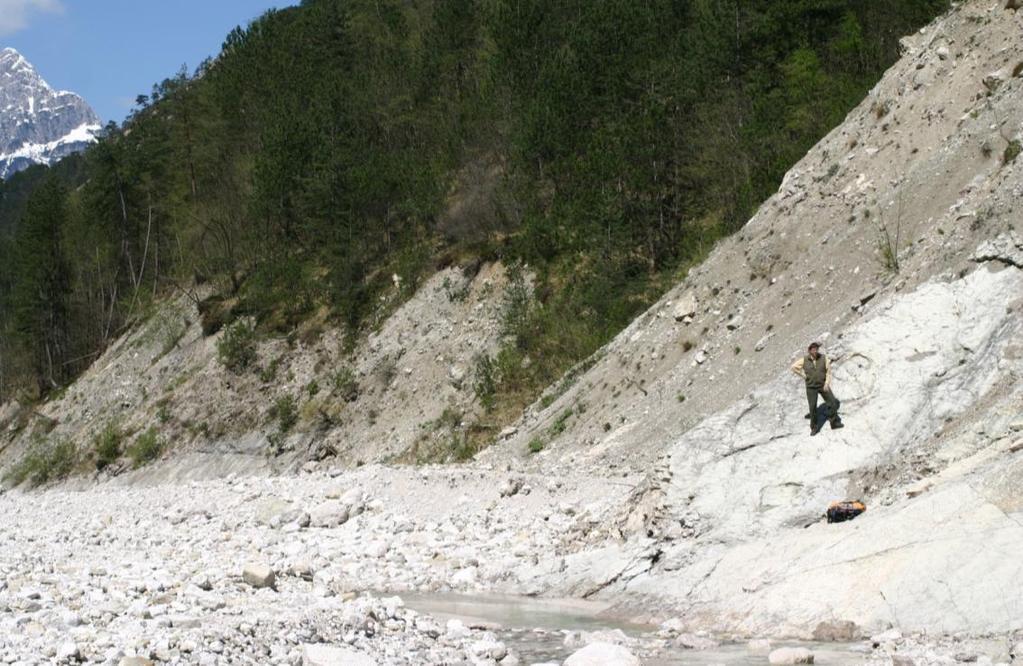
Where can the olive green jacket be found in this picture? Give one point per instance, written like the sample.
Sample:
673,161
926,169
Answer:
817,374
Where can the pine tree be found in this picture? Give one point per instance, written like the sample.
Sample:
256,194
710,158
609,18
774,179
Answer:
39,298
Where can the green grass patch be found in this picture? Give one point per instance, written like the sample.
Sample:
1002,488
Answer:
560,425
345,385
44,462
1012,151
108,446
147,447
163,413
268,373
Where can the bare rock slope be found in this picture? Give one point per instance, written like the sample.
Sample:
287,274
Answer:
396,395
895,242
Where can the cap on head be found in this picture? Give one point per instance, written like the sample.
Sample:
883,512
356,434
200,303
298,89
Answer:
814,345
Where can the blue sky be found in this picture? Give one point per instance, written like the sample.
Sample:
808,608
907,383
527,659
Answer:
110,51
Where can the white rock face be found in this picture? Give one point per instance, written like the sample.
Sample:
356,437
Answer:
1007,248
755,479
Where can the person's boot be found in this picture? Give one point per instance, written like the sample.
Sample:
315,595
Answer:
815,428
836,423
807,416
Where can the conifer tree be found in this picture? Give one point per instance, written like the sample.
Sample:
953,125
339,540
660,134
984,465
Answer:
39,298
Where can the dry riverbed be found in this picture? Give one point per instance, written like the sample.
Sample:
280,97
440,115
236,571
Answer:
288,570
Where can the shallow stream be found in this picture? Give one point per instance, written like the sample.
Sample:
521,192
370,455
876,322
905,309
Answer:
536,628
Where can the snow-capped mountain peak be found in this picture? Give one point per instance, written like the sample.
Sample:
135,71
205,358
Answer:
38,125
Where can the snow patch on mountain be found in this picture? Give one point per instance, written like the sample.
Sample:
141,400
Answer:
48,153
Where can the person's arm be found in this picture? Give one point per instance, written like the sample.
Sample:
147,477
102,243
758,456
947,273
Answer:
797,368
827,373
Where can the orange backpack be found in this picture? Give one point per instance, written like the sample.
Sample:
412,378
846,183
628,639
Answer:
839,512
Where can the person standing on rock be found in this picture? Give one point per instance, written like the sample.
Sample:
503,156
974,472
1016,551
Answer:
815,369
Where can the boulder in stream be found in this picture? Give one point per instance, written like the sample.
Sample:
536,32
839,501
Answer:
602,654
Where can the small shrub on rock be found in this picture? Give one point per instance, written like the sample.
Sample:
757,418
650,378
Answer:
237,348
536,445
214,313
345,385
285,410
461,447
881,108
561,424
147,448
268,373
108,446
485,381
1012,151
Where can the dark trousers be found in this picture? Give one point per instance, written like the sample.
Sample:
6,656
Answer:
829,399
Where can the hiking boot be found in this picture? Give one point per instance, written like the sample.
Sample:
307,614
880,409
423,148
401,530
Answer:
807,416
814,429
836,424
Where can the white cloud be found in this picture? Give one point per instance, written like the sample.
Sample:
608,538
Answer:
15,14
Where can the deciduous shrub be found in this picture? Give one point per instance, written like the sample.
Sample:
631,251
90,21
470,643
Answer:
237,348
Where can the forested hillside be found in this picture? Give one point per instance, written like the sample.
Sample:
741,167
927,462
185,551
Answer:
334,145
